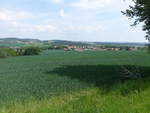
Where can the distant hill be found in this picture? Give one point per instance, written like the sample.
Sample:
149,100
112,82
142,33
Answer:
19,42
120,43
19,39
64,42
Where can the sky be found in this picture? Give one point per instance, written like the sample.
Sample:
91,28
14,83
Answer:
75,20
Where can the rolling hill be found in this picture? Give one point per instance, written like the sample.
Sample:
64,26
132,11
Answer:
19,42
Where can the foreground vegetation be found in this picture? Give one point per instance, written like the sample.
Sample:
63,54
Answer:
76,82
88,101
6,52
27,51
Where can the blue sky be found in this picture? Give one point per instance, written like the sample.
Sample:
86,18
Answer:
78,20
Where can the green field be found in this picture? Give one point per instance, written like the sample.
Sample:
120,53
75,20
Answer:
76,82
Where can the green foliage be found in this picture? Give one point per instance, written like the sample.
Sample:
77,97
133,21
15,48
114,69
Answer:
148,48
5,52
32,51
127,48
29,51
73,82
87,101
141,13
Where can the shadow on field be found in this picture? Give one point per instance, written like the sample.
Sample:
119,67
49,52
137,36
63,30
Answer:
130,78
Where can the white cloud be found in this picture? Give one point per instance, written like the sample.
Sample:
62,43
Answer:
45,28
26,28
102,4
91,4
8,15
82,28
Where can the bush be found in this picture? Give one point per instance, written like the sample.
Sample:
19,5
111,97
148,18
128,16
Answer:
31,51
20,51
148,48
5,52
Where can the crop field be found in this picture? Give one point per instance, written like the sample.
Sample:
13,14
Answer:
76,82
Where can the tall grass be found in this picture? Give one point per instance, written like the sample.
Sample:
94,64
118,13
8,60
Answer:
88,101
74,82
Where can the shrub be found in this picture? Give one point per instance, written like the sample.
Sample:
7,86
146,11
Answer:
31,51
148,48
5,52
20,51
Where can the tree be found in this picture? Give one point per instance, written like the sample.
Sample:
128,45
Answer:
140,11
32,51
148,48
28,51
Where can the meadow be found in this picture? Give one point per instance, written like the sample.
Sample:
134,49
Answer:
76,82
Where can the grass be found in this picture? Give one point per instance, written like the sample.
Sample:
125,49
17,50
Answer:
88,101
75,82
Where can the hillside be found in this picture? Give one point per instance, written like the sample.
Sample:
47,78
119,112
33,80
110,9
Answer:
65,42
18,42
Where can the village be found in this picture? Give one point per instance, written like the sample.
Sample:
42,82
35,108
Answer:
99,48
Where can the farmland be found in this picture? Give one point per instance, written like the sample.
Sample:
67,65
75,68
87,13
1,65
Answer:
76,82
